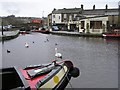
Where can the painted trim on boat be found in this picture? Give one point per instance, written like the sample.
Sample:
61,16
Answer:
53,82
50,81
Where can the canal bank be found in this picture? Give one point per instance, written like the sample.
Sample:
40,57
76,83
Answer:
75,34
7,35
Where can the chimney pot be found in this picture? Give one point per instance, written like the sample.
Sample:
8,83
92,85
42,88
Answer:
93,7
82,6
106,6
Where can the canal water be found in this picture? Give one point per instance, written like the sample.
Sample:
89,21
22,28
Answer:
97,58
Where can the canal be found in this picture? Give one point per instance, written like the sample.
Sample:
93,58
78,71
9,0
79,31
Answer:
97,58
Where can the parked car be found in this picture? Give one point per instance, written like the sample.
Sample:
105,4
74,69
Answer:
55,28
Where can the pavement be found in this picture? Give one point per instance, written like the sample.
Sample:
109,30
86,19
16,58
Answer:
8,33
75,34
14,33
65,32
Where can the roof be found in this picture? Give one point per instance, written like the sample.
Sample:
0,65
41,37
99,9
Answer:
93,12
87,11
71,10
101,12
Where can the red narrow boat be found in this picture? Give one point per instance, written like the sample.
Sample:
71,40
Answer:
114,34
43,30
55,75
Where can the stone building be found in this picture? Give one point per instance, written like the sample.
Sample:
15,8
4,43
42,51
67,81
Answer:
84,20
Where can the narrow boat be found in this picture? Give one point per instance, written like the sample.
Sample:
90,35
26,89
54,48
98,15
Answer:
54,75
23,32
114,34
43,30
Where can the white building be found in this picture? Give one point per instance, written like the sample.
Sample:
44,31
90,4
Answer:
95,25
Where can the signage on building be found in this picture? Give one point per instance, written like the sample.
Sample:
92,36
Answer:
36,21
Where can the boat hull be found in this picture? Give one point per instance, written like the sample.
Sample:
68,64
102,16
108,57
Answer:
55,75
114,34
41,31
24,32
111,35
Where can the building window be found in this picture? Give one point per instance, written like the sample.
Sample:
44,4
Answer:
95,24
75,15
108,26
82,24
78,18
53,16
65,15
70,18
59,17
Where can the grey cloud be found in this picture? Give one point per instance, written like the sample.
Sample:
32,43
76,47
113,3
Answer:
10,7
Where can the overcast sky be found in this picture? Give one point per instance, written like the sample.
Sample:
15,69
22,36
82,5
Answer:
39,8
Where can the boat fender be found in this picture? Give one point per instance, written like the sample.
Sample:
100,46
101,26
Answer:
75,72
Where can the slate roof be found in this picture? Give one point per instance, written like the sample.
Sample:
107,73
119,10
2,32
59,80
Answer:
93,12
67,11
87,11
101,12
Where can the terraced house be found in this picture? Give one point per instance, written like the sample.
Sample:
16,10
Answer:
84,20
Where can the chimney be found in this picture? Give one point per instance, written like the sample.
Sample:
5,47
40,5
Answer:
54,9
93,7
82,6
106,7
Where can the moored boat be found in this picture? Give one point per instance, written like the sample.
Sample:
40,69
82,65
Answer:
23,32
114,34
55,75
111,35
42,30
